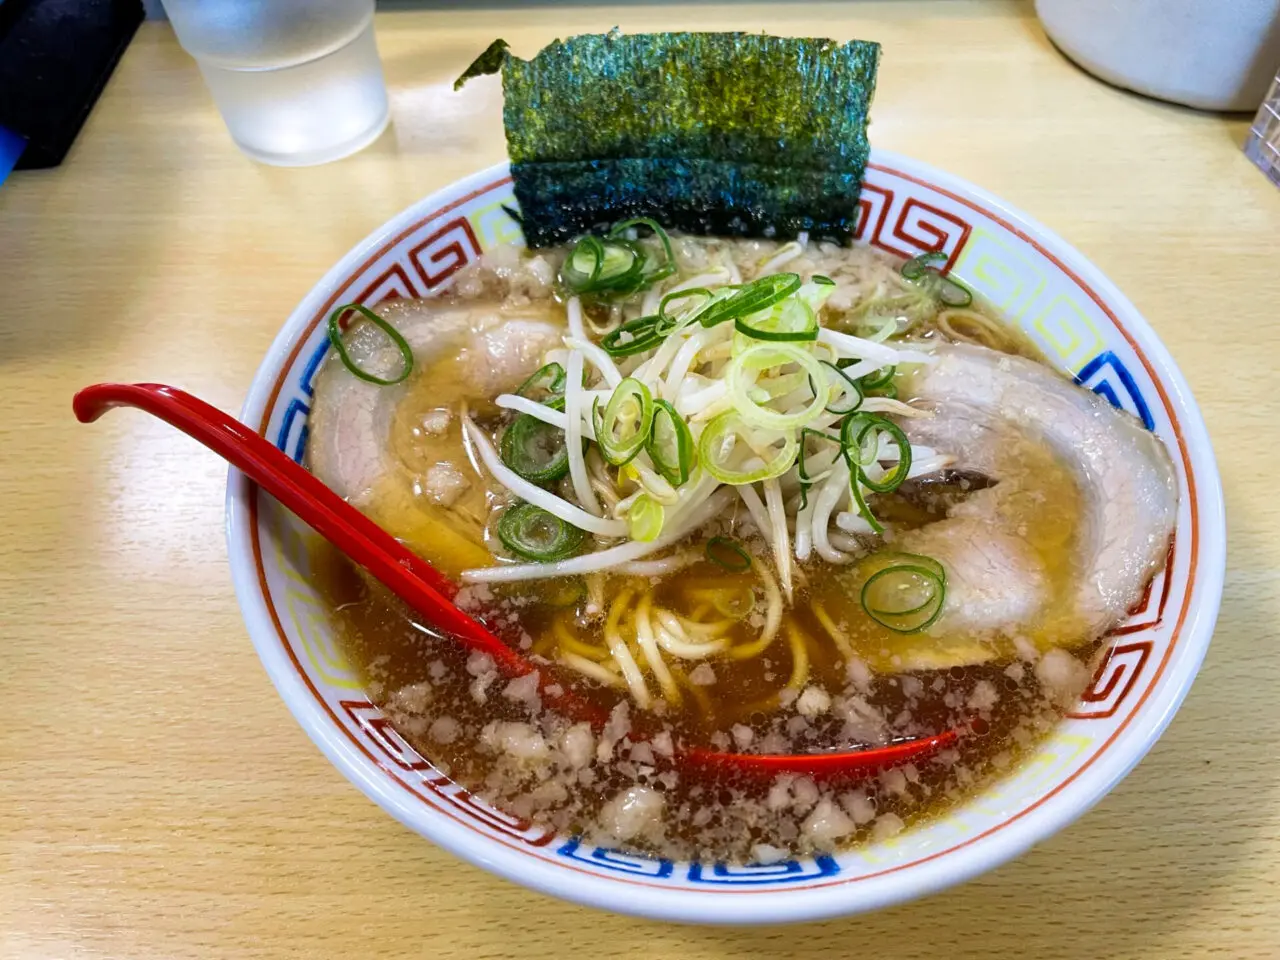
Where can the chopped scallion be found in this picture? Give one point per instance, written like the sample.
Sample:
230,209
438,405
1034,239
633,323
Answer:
915,268
742,375
535,534
923,272
645,518
668,323
878,379
583,264
546,384
906,594
806,480
652,271
335,338
535,450
634,336
788,320
851,394
670,445
617,266
860,436
728,553
720,442
755,296
624,426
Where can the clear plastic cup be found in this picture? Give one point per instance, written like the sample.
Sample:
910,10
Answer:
298,82
1262,146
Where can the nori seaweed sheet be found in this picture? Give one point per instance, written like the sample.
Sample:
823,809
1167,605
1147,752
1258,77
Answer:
728,133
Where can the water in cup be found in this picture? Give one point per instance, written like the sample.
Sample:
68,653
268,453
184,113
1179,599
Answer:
297,81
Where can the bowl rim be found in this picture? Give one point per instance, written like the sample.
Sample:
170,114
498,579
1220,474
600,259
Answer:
1013,835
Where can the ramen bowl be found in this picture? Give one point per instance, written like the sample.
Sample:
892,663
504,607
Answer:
1083,325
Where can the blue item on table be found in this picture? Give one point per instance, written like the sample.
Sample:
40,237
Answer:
11,147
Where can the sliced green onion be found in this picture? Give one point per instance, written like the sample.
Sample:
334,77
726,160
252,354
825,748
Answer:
864,511
752,298
884,328
916,267
535,450
789,320
596,266
919,559
616,266
823,279
720,439
667,323
582,266
858,456
670,445
816,292
645,518
677,295
652,272
762,356
806,481
899,560
563,591
848,388
922,272
547,383
854,442
623,266
901,585
807,434
335,337
625,425
907,594
728,553
860,435
535,534
878,378
880,383
634,336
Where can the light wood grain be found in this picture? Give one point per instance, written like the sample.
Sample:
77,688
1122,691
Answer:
156,799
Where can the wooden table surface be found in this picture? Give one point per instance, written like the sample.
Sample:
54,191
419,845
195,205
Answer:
156,798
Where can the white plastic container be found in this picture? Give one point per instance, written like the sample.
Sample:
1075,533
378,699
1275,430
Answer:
1210,54
298,82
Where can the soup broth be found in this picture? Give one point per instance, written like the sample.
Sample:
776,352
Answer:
690,650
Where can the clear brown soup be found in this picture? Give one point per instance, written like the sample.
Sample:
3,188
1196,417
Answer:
830,679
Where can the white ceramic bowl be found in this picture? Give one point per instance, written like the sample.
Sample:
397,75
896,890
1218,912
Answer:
1084,324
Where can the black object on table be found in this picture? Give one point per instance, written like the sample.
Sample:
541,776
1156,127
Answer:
55,58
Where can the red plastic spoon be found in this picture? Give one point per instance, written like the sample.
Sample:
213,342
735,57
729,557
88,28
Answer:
414,580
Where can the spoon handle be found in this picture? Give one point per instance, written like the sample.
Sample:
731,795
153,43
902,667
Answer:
403,572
